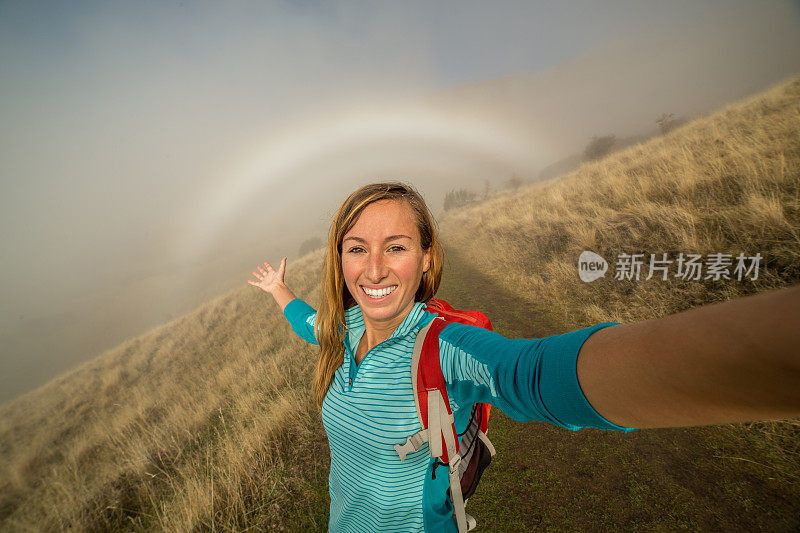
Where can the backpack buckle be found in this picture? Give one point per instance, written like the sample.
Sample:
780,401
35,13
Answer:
411,444
455,461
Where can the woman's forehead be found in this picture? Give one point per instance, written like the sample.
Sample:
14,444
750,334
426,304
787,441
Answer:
385,218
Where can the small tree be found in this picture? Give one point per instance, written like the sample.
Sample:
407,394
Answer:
668,122
599,147
309,244
458,198
514,182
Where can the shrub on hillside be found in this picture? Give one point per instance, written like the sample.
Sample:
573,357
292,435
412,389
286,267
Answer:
458,198
514,182
668,122
309,244
599,147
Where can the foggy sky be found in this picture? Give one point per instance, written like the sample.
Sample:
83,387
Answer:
152,154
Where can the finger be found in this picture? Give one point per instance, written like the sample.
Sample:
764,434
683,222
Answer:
262,270
256,275
268,265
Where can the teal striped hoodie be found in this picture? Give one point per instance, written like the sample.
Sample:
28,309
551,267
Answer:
370,407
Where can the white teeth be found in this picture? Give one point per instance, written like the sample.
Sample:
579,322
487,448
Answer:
379,293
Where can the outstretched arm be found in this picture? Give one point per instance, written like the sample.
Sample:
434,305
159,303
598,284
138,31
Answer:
735,361
300,315
271,280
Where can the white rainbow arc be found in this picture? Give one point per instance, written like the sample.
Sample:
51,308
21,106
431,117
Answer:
322,137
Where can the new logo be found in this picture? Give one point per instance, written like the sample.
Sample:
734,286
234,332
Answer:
591,266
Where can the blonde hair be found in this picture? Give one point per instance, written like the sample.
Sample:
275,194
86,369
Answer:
330,325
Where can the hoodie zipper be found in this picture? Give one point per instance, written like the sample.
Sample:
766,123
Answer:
352,380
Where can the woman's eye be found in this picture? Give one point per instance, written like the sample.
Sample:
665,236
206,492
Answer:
359,249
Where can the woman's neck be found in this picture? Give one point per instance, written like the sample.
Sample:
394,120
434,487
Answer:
373,336
377,332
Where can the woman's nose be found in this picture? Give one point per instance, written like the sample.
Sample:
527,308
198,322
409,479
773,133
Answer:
376,268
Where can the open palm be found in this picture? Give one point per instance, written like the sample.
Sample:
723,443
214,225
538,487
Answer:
268,278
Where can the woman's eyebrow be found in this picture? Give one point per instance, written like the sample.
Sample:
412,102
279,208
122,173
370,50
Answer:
389,238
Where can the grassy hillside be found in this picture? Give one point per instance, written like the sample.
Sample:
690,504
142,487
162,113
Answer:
726,184
199,421
207,423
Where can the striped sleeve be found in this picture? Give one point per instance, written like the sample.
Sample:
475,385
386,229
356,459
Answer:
528,379
301,317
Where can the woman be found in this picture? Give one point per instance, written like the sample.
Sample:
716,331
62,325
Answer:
728,362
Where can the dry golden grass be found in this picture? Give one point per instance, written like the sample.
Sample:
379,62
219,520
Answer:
185,426
729,184
207,422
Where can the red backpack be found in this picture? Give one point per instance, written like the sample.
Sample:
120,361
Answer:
465,461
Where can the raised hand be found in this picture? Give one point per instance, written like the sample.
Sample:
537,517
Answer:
268,278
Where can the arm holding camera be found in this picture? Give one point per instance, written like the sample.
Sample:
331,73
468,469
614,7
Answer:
734,361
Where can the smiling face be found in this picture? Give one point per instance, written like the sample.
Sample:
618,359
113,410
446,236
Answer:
382,255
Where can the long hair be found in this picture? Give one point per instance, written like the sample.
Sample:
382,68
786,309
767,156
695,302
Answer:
330,325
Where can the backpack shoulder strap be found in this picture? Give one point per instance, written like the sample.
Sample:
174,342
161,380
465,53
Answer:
416,357
430,395
435,415
432,390
414,442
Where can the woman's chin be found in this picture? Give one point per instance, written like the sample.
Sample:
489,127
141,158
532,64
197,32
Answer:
382,307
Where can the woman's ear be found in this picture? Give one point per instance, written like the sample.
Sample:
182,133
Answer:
426,261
